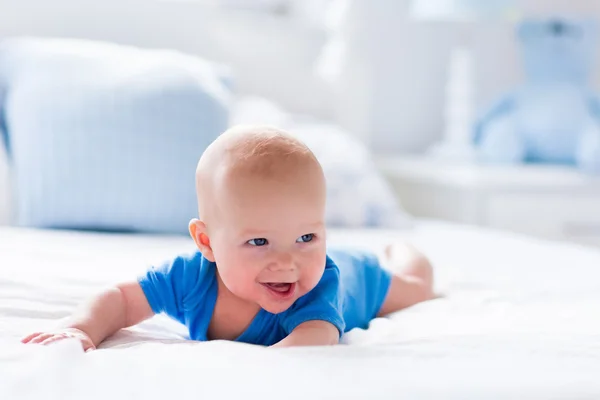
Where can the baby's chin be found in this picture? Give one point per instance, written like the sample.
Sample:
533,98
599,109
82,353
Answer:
277,307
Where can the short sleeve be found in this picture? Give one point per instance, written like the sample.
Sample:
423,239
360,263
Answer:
323,303
166,287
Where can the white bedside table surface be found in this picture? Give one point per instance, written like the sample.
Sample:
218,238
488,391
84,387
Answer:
548,201
426,169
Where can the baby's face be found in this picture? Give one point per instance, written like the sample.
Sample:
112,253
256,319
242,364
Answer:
269,240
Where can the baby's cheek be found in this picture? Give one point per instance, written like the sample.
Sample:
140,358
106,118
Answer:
314,273
239,280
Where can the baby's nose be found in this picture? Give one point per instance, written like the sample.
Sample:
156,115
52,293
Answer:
283,262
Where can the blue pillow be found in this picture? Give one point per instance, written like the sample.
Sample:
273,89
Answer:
107,137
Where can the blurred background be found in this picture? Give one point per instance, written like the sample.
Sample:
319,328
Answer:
393,77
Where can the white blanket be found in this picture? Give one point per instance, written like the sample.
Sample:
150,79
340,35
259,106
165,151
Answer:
520,320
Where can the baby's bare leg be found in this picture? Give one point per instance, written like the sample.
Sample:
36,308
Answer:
412,282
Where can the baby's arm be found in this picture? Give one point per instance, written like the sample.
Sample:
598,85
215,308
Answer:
311,333
116,308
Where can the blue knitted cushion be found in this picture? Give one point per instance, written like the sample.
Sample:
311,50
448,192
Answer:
107,137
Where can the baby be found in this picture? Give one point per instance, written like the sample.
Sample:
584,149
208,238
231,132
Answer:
262,273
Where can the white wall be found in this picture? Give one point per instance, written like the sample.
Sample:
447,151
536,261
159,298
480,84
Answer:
390,93
394,71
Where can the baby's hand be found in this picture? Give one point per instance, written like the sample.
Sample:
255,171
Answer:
45,338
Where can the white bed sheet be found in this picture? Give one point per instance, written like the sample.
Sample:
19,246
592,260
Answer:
520,319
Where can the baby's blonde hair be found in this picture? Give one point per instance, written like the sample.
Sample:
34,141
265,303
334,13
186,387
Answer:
259,151
266,151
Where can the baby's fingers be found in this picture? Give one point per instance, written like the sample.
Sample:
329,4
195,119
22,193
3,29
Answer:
42,337
53,339
28,338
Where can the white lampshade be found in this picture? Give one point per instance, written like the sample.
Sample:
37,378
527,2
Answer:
459,109
464,10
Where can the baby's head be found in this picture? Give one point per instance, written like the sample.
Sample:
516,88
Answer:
261,204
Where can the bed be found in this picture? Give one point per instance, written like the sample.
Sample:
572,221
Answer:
519,320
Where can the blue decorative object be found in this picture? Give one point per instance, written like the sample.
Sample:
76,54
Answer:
553,117
107,137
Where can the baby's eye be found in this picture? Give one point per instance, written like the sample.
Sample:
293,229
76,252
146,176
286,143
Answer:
258,242
305,238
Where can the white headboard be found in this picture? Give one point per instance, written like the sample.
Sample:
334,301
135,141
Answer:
391,97
272,56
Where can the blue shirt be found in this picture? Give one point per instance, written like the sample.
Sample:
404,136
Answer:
349,295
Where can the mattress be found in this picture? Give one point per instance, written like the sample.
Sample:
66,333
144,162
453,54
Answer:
519,319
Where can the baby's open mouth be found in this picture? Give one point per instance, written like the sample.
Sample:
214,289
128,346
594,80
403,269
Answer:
280,289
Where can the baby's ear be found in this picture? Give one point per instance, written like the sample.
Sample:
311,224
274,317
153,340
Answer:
198,233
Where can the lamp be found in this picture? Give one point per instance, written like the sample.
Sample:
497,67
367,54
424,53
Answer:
459,107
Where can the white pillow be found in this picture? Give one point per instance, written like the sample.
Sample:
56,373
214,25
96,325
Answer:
358,196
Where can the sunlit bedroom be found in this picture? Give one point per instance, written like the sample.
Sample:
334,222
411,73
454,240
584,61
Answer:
299,199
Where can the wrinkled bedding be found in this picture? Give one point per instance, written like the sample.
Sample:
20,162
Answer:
519,320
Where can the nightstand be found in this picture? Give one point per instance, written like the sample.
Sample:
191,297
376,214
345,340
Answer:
552,202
